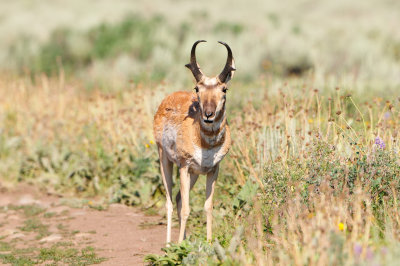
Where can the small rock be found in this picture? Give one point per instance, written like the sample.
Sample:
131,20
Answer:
51,238
26,200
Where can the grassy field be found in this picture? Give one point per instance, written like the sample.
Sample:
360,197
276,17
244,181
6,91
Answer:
313,176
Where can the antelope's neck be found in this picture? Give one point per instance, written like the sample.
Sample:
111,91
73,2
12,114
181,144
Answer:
213,135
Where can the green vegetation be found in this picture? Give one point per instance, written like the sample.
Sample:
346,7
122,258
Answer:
49,214
28,210
101,42
69,256
35,225
58,253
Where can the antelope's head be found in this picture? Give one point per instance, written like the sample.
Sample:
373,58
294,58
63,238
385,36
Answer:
211,92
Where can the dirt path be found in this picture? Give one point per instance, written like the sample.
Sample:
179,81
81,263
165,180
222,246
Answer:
32,219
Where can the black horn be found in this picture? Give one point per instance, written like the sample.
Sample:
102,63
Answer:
229,69
193,66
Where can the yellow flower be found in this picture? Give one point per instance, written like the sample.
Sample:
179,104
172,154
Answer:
90,203
310,121
341,226
147,145
151,142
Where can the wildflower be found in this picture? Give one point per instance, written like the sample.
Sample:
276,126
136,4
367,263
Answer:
380,142
370,254
384,250
341,226
310,121
147,145
357,249
151,142
90,203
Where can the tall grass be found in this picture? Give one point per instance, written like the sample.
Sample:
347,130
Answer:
307,175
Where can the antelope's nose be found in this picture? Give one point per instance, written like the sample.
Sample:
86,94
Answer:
209,113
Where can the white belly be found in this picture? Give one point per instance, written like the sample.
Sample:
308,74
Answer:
204,160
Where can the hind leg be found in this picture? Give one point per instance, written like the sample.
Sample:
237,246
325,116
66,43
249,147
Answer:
185,189
166,167
208,205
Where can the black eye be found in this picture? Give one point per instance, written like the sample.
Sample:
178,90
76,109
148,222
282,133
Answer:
225,89
196,89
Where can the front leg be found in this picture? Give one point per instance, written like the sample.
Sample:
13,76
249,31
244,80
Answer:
208,205
193,179
185,189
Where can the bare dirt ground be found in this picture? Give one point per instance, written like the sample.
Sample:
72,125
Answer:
123,235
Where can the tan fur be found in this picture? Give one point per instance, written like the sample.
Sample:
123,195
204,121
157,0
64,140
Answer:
191,131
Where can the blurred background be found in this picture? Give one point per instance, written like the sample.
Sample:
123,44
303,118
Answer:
313,107
356,43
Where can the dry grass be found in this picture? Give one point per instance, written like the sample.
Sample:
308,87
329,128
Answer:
313,175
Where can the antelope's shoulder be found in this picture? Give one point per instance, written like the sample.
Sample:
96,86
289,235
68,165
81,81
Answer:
177,103
173,111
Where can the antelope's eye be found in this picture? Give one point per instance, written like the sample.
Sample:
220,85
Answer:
225,89
196,89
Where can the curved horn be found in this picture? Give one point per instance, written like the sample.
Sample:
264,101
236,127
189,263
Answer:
193,66
229,69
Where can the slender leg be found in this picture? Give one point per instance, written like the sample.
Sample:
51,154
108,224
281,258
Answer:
193,179
166,173
208,205
185,188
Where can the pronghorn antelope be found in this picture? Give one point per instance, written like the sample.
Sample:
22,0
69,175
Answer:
191,131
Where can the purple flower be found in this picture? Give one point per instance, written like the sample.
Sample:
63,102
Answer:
357,249
370,254
380,142
387,115
384,250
